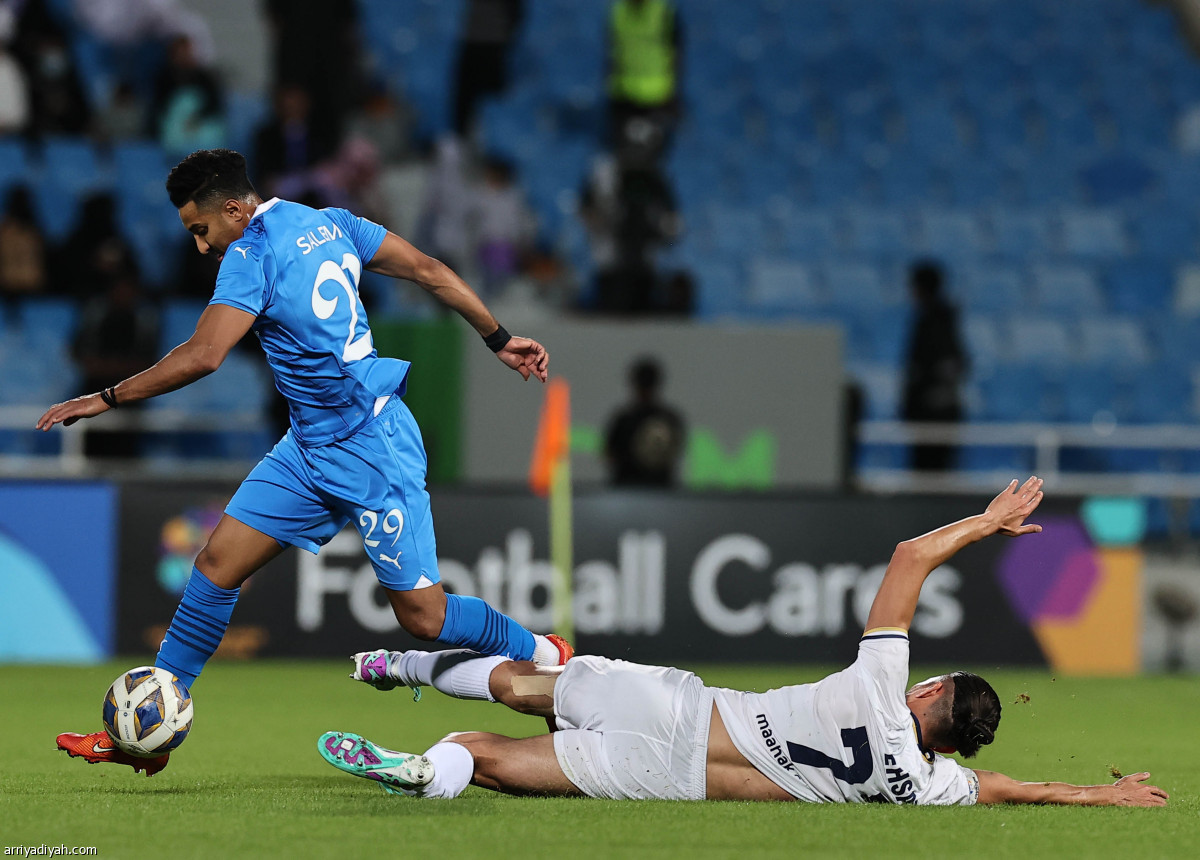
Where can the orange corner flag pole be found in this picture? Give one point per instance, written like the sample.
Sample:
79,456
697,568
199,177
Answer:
550,474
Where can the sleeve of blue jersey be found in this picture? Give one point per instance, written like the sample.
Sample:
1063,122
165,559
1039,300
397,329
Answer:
241,282
365,235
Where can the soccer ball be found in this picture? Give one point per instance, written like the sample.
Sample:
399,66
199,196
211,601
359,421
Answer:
147,711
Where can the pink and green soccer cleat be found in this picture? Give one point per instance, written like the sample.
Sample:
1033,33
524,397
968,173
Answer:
396,772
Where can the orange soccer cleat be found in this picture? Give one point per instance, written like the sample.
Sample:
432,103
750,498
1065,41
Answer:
98,747
565,649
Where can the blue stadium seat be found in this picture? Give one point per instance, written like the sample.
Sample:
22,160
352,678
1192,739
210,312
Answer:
782,285
857,285
1019,234
49,321
1166,234
807,234
1164,393
1041,340
949,234
178,322
993,288
1066,289
1091,395
1019,391
1113,342
984,341
879,233
881,389
1138,286
1093,234
71,169
14,165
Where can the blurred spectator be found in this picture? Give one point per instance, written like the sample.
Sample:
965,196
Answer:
14,90
124,117
447,202
22,248
936,364
129,23
348,180
630,211
316,49
645,54
56,97
386,122
95,252
117,337
291,141
489,30
504,224
645,440
187,111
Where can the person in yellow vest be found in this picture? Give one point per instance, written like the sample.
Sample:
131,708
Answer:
645,41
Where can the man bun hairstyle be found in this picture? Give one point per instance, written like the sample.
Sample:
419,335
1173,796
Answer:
974,715
208,176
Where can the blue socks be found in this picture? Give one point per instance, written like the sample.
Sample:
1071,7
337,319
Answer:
198,627
472,623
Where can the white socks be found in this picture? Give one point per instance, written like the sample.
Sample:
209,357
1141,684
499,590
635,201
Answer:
545,652
453,768
460,673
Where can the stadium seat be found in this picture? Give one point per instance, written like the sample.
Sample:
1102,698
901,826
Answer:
1093,234
14,165
992,289
1166,234
807,234
1165,393
782,285
1138,286
1113,342
983,340
49,321
1066,289
1041,340
877,233
1020,234
857,285
950,235
881,389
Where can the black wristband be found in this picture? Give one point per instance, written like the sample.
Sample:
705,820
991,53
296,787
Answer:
498,339
109,397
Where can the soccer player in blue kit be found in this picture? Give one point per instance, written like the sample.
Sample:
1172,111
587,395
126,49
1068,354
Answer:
353,453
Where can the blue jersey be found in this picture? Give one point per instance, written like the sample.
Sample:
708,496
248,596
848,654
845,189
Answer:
297,270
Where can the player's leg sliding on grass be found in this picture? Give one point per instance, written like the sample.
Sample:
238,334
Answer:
353,454
632,732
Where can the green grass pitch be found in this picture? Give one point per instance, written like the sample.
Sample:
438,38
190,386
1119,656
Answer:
248,782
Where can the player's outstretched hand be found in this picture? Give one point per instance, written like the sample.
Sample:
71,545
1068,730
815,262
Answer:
1014,504
1129,791
71,411
527,357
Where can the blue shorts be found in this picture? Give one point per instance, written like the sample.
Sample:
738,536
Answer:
375,479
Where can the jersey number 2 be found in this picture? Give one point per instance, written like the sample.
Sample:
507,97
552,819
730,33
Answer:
324,308
856,740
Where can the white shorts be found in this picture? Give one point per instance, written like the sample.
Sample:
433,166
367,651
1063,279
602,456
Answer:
632,732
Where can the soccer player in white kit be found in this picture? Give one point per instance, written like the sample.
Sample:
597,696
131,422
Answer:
626,731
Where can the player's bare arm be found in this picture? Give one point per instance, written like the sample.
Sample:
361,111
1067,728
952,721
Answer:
1130,790
916,558
218,331
397,258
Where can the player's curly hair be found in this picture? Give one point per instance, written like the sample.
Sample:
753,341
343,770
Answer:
974,714
209,175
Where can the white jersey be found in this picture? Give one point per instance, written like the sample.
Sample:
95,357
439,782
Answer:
849,737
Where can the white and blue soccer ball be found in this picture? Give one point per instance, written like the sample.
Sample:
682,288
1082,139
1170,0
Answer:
147,711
